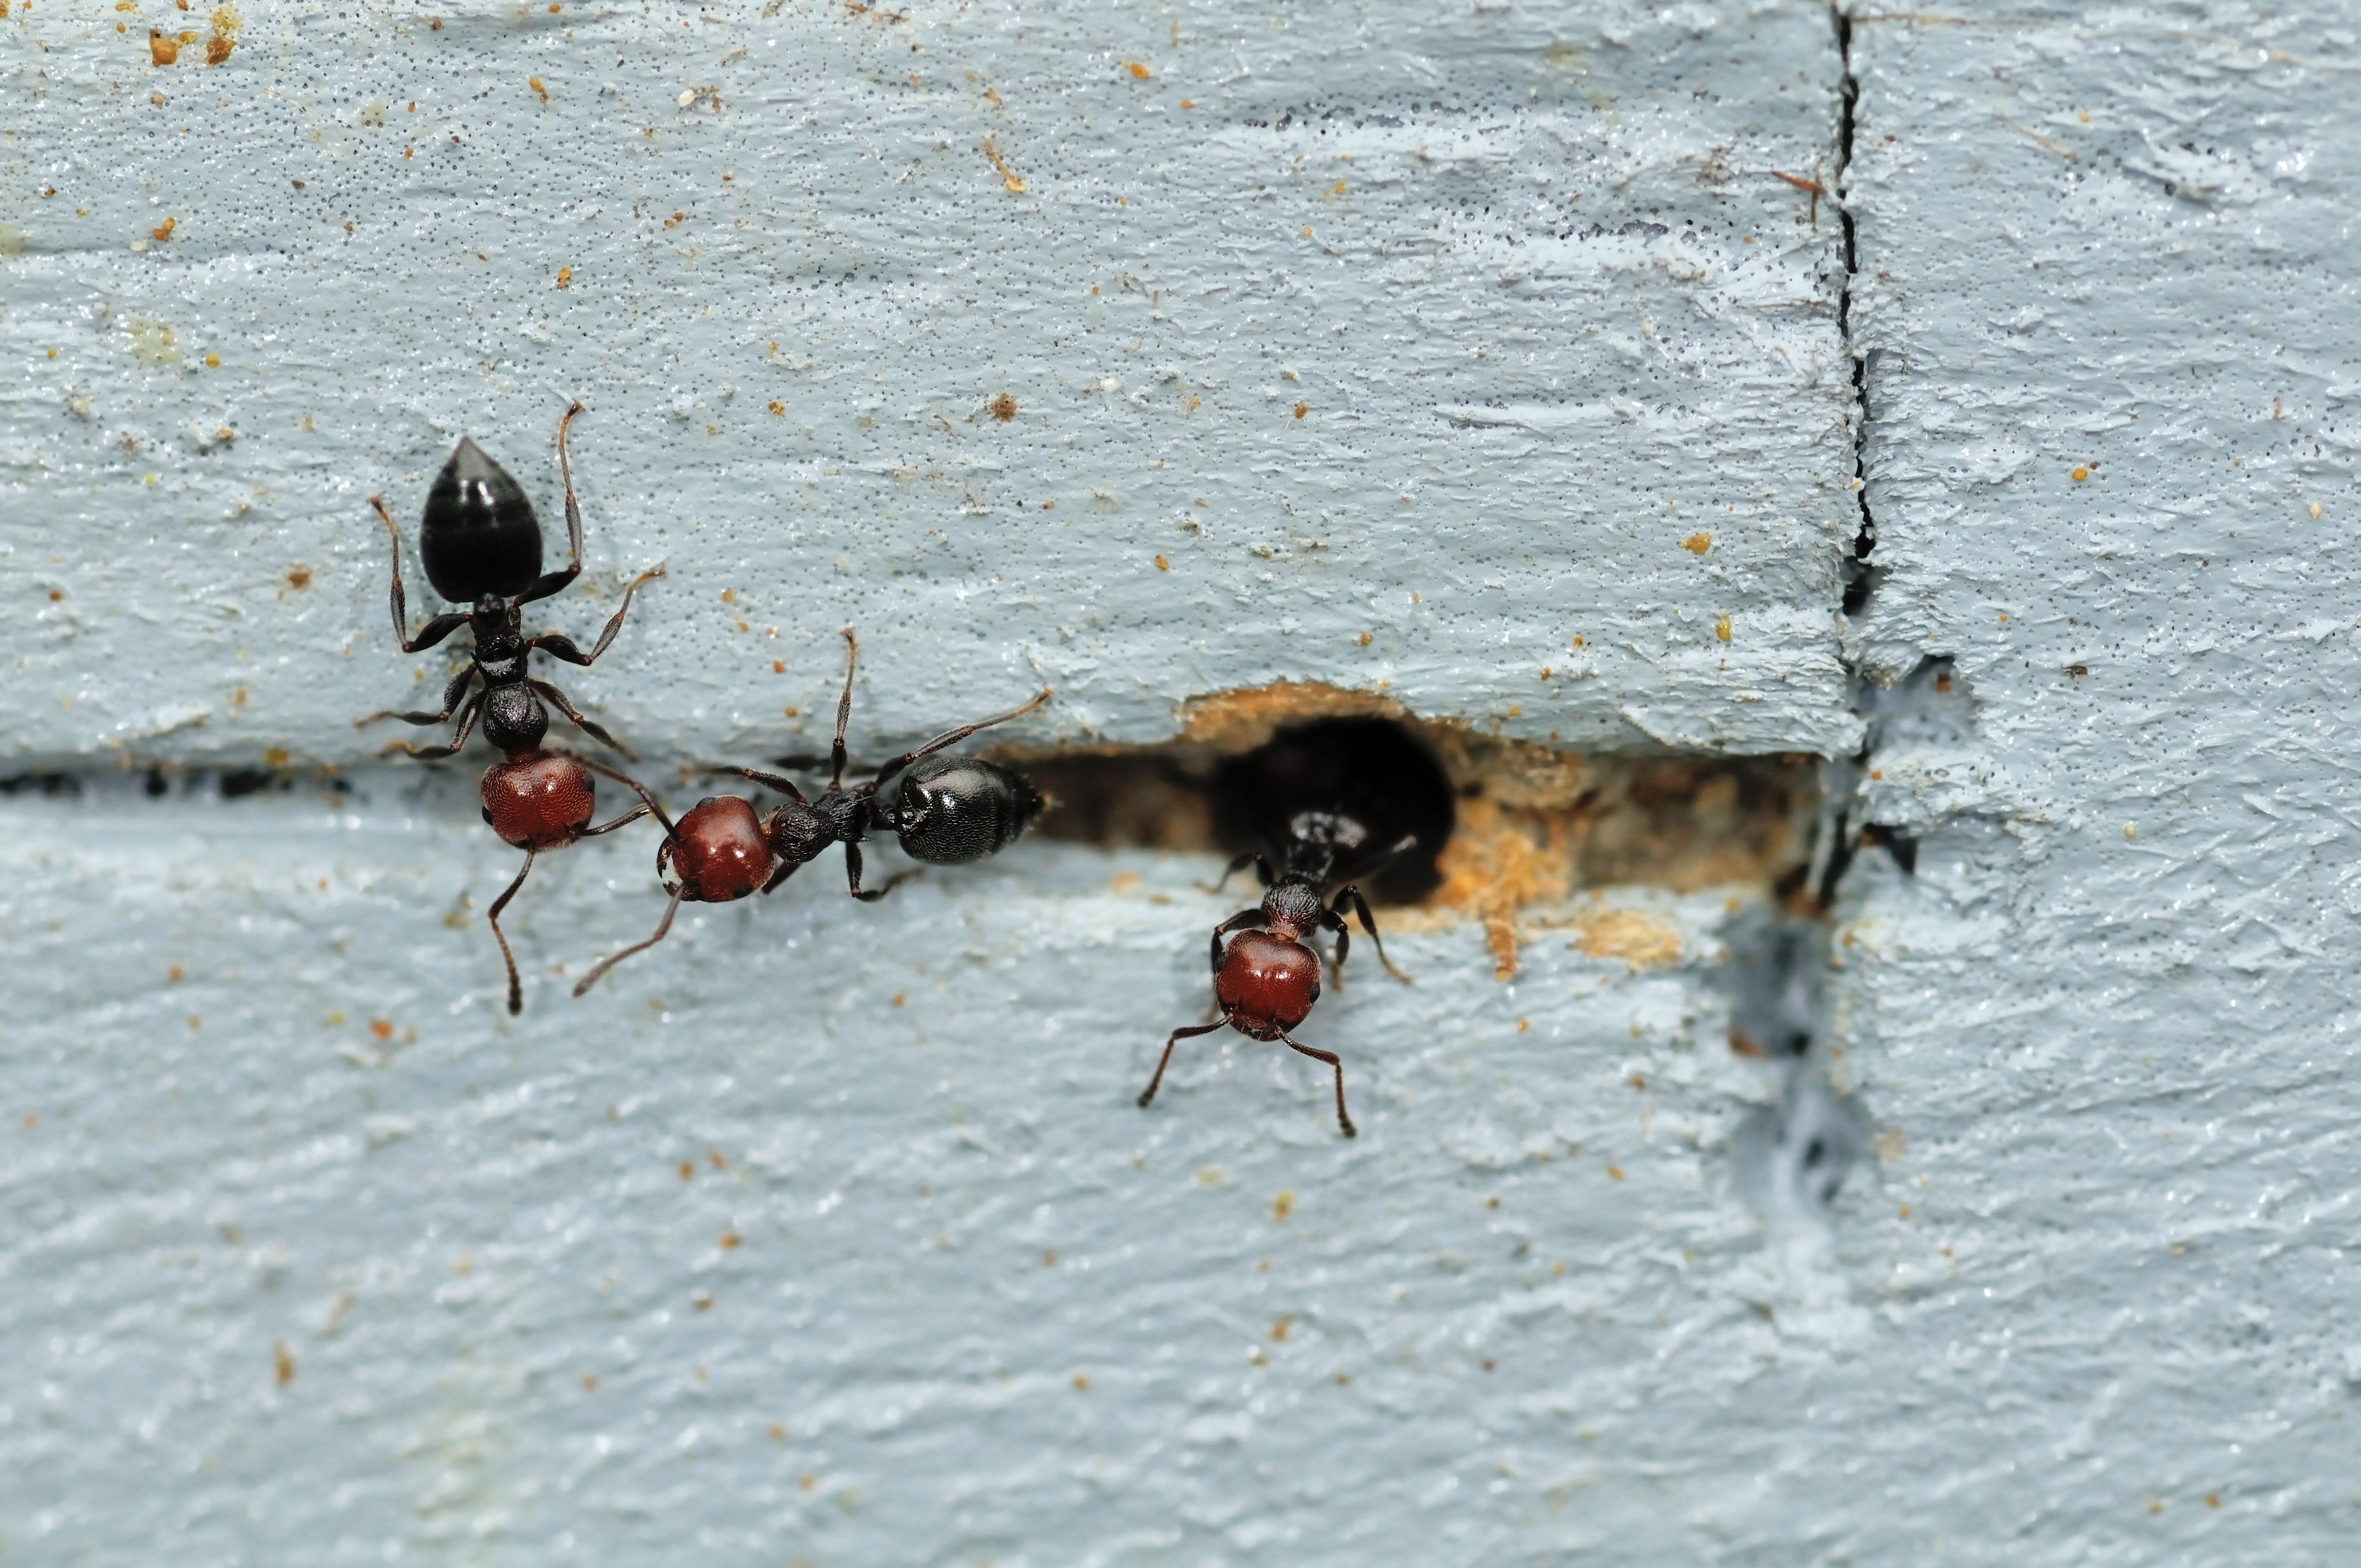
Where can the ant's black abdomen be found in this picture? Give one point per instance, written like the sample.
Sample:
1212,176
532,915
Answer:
951,810
479,538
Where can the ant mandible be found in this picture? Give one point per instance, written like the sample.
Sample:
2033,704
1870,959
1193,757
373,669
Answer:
481,545
1268,977
947,811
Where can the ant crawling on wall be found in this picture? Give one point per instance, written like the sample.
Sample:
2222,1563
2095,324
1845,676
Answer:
1268,976
481,546
947,811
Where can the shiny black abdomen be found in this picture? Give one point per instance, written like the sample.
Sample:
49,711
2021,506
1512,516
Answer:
480,537
951,810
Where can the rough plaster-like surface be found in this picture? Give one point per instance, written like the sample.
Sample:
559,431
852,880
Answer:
2107,289
278,1284
849,1214
1412,341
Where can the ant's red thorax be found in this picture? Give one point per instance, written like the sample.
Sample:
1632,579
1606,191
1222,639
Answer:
538,800
717,851
1267,984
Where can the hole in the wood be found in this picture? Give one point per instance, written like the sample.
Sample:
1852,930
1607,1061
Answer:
1513,823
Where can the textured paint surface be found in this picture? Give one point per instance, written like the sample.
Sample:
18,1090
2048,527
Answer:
2108,295
830,1235
1413,344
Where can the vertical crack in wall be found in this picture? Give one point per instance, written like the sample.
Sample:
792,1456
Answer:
1794,1153
1860,575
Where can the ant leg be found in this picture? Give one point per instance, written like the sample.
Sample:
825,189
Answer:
853,874
1245,919
450,701
552,582
1233,869
467,725
516,989
1332,921
768,781
434,630
1332,1059
787,867
648,802
1148,1094
625,820
559,646
1351,898
559,700
603,965
953,736
843,710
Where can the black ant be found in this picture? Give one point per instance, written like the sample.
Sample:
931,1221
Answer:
947,811
1268,977
481,545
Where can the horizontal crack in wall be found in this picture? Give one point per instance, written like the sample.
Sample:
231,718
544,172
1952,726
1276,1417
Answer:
1535,825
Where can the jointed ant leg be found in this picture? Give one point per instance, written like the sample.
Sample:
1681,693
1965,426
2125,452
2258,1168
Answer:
953,736
649,803
768,781
474,705
559,700
1332,921
1243,920
843,710
603,965
852,875
1335,1062
566,477
552,582
516,989
434,630
1237,865
451,695
1164,1062
1350,898
559,646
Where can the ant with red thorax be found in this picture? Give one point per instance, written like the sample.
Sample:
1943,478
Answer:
480,543
1268,976
947,811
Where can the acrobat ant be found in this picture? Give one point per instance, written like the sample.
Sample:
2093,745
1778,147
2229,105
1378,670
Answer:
480,543
1268,976
947,811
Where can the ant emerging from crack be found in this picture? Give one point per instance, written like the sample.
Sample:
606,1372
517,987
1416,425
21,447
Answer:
947,811
1268,976
480,543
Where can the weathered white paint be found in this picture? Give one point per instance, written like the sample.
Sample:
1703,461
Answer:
1469,1328
2104,1072
1456,321
2109,1020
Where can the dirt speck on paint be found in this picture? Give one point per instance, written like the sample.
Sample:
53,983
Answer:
1637,938
153,343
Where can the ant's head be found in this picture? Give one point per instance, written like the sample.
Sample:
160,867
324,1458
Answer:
479,538
1292,907
717,851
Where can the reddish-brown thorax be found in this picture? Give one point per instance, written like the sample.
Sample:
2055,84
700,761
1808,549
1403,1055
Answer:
1267,984
538,800
717,851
